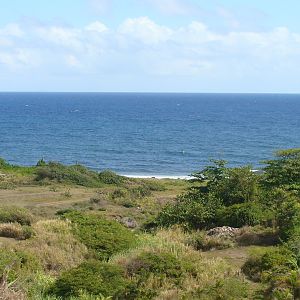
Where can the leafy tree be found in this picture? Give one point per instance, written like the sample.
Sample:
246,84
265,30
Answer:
284,170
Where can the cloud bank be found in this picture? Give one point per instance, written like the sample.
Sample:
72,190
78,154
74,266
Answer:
143,55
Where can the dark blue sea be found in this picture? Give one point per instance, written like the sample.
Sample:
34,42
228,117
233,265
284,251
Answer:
147,134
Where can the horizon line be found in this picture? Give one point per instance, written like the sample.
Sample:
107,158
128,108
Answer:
149,92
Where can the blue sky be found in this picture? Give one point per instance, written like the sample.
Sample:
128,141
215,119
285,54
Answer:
150,45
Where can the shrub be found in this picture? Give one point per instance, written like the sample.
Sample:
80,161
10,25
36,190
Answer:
109,177
200,241
75,174
288,218
258,235
13,214
238,215
103,237
93,277
161,264
17,263
16,231
264,266
284,170
4,164
193,214
156,266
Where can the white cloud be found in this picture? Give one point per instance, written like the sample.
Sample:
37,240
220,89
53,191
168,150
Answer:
12,29
145,30
139,48
96,26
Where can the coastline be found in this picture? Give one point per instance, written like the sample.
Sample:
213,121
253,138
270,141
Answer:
181,177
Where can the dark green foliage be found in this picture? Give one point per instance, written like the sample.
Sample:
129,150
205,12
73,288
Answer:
275,261
162,264
75,174
283,171
109,177
41,163
15,264
238,215
190,213
4,164
288,218
239,186
13,214
103,237
231,185
93,277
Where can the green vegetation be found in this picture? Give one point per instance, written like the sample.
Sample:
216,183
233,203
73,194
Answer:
103,237
93,277
67,232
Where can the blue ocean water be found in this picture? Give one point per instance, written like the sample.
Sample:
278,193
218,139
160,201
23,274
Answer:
146,134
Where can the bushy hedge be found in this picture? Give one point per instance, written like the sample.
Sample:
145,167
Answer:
238,215
11,214
109,177
193,214
157,266
103,237
92,277
161,264
277,260
75,174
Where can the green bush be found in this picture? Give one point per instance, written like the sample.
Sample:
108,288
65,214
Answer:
284,170
193,214
92,277
11,214
288,218
4,164
109,177
17,264
238,215
159,264
157,267
279,260
103,237
75,174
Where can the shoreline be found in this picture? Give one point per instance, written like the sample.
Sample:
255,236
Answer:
181,177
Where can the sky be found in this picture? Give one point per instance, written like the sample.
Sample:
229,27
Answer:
234,46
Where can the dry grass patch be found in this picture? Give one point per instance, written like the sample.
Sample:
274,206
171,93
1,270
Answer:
15,231
55,246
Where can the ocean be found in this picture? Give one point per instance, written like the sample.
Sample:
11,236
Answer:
141,134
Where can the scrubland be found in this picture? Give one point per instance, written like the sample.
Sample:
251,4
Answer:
67,232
